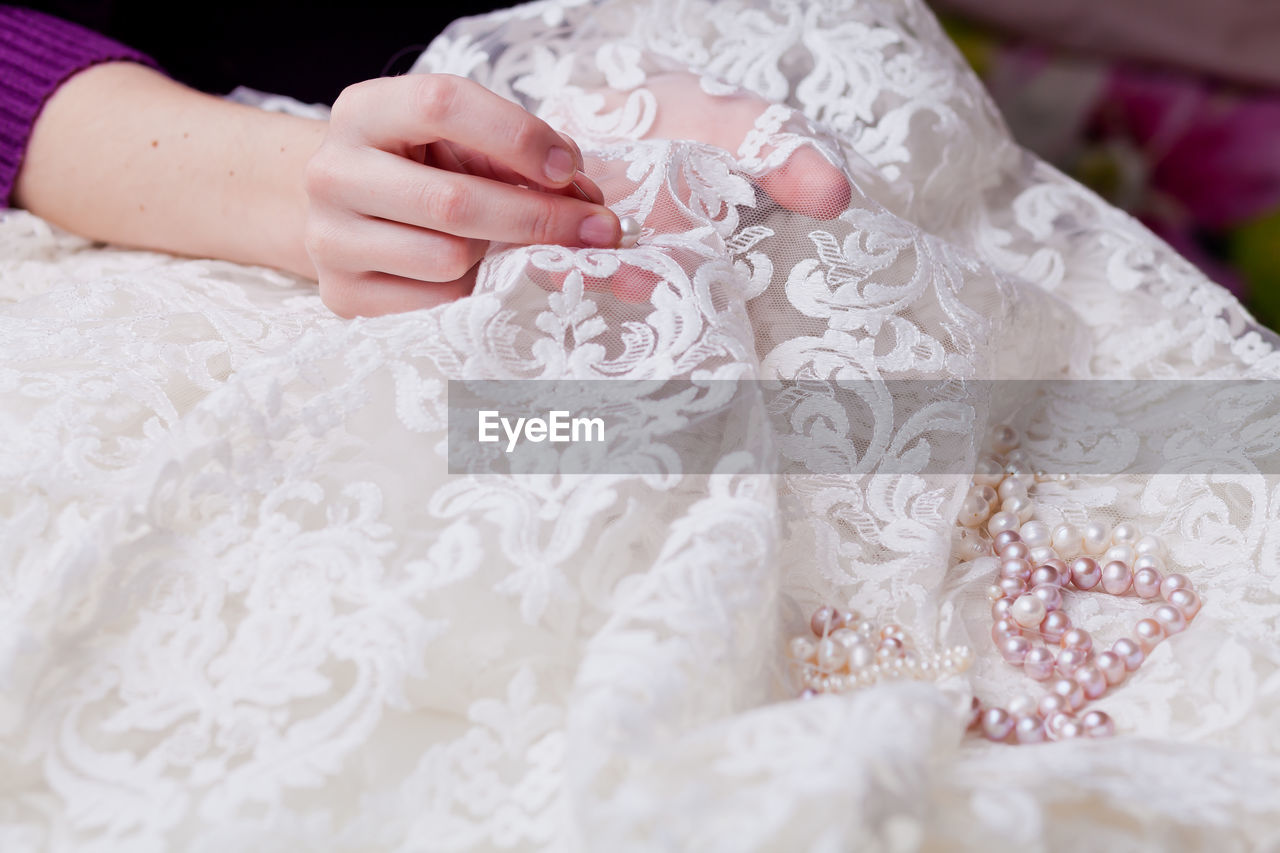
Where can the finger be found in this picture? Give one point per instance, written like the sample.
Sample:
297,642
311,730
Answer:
375,245
579,162
375,293
453,157
806,183
400,190
398,113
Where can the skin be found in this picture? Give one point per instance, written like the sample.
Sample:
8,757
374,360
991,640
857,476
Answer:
389,205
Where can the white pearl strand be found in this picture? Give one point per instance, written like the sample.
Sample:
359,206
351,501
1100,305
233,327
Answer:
847,652
1027,599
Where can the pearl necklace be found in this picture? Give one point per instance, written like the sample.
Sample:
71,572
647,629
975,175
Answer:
997,519
1027,597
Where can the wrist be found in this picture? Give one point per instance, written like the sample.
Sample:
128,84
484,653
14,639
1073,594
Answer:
275,197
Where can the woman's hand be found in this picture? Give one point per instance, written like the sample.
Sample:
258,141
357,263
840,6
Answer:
388,206
417,174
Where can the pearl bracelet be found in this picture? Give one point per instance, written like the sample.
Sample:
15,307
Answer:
848,652
1030,629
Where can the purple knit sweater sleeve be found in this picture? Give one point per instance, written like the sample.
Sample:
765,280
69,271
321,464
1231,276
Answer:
37,54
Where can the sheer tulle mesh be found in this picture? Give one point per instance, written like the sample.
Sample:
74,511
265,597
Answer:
245,607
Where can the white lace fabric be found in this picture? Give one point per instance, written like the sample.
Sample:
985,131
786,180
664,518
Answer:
244,606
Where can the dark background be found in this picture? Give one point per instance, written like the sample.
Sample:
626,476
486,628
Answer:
310,51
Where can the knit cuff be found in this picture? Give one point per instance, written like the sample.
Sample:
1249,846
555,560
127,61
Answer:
38,53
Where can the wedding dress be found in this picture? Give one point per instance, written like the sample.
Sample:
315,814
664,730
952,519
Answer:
244,605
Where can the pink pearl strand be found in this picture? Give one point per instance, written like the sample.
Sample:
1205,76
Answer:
1027,598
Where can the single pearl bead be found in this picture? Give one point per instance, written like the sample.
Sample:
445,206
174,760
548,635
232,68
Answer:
989,495
1172,582
809,693
994,592
1098,724
1149,546
1014,650
1018,456
1003,438
1130,652
1057,726
1077,638
1041,554
1052,704
1097,538
1070,660
1170,619
866,628
996,724
1124,534
989,472
1067,540
1187,601
1000,608
1036,534
1117,577
1023,704
1146,582
1120,554
1038,664
1028,611
1085,572
1054,626
801,649
1063,570
1028,729
831,655
1005,539
1016,568
1112,667
1015,551
1148,633
1070,730
1013,587
973,545
1069,690
1050,594
822,621
1149,561
973,511
1043,575
1092,680
861,656
1012,487
630,232
1003,522
1004,628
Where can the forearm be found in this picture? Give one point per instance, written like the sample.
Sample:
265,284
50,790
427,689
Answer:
123,154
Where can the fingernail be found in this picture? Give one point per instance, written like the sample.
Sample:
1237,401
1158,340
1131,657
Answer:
599,230
559,166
